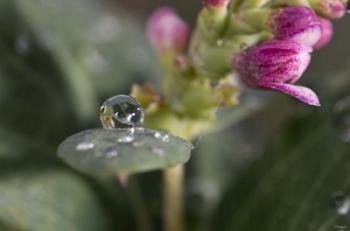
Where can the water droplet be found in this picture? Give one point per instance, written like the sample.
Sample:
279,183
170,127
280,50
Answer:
128,138
158,151
342,118
163,137
84,146
111,152
121,111
341,203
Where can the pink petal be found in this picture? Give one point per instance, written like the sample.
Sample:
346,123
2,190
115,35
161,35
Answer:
304,94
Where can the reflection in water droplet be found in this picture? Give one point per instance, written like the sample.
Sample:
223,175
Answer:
140,129
111,152
121,111
84,146
341,203
342,118
158,151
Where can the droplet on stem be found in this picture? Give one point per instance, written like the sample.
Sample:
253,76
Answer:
121,111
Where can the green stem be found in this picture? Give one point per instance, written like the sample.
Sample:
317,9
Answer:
173,199
138,206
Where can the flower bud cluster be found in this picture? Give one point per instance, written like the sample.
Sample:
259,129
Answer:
268,43
277,64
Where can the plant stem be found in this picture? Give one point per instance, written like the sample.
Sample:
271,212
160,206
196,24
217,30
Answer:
138,206
173,199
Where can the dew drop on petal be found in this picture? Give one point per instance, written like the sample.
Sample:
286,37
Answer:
121,111
341,118
341,203
84,146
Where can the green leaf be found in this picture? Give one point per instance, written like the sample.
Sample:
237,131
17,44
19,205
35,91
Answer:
49,200
290,186
117,151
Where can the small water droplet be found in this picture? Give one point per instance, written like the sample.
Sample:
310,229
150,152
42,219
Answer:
163,137
128,138
121,111
158,151
342,118
341,203
111,152
84,146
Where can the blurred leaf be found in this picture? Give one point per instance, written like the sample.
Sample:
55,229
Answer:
50,200
290,186
97,49
116,151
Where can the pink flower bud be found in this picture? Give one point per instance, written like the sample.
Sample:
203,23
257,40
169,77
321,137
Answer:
327,33
276,65
333,9
299,24
167,31
215,3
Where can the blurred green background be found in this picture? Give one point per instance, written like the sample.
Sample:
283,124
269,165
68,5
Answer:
284,167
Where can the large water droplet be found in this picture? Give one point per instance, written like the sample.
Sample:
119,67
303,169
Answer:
84,146
121,111
341,203
342,118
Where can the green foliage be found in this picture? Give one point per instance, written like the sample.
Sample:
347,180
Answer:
50,200
290,186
